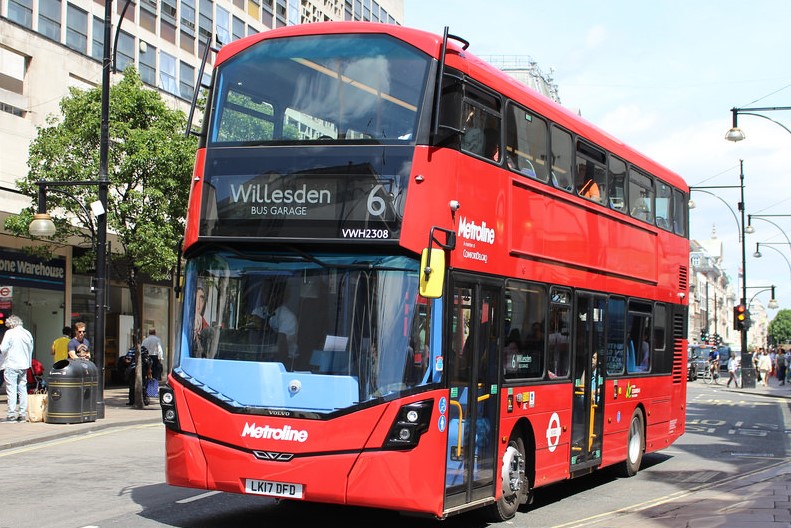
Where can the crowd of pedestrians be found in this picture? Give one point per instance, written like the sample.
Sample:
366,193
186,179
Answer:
772,364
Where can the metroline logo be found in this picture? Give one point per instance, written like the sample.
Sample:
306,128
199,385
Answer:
474,232
285,433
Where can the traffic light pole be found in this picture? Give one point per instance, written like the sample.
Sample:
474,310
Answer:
748,369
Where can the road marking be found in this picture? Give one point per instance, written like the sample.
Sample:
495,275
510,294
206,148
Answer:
198,497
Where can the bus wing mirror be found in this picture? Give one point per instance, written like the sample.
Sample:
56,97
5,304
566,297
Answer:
432,274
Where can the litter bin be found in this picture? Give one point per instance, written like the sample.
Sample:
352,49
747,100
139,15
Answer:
72,387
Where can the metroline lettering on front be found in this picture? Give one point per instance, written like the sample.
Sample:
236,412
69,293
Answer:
285,433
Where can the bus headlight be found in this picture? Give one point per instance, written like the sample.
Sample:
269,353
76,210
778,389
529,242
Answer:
167,400
410,423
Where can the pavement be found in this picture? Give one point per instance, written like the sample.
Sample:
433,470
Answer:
758,499
116,414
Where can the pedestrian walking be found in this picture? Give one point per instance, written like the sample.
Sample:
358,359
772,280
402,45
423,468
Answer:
764,367
16,358
734,364
780,360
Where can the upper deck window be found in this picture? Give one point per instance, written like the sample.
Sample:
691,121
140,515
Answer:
641,196
320,88
526,143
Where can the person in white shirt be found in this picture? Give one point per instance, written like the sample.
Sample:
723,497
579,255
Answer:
17,356
153,344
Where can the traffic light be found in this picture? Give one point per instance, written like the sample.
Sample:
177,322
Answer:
740,317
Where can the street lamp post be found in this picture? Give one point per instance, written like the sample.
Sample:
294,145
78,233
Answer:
750,229
771,245
748,374
736,133
42,226
772,304
101,227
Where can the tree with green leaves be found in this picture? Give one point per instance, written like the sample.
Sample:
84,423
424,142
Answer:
780,328
149,172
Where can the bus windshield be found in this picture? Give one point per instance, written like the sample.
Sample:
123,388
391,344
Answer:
342,88
313,334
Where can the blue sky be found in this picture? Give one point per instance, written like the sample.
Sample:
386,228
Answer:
663,76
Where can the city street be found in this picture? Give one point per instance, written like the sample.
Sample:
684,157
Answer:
114,477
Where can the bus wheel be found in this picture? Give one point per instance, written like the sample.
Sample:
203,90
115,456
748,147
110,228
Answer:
635,445
514,483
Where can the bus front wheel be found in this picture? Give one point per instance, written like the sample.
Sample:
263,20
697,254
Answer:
635,446
514,482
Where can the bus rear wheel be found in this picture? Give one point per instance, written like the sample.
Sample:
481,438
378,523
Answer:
635,446
514,482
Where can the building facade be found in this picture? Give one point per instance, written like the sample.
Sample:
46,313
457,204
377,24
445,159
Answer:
711,296
48,46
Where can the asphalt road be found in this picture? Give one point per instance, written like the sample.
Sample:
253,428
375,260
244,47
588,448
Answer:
116,478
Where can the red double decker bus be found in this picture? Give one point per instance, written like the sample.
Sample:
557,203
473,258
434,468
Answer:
413,283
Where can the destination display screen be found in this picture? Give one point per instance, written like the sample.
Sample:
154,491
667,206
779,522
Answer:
343,193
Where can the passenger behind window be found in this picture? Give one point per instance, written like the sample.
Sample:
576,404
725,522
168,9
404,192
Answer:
491,144
472,140
590,190
641,208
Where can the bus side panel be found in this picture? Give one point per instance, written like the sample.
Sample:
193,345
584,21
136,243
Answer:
408,480
563,231
548,408
618,410
427,201
196,195
663,410
404,481
185,463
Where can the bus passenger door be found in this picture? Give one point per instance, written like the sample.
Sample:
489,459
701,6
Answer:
472,412
588,406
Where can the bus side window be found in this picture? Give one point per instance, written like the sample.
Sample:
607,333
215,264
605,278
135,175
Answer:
641,196
591,178
526,143
558,342
664,206
680,211
562,159
616,184
481,127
